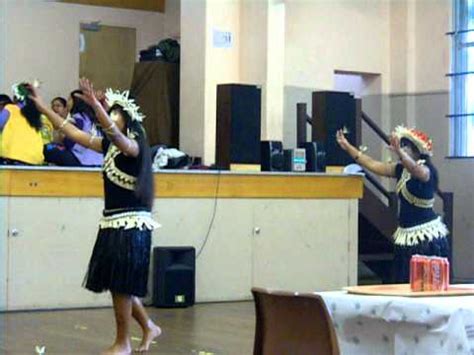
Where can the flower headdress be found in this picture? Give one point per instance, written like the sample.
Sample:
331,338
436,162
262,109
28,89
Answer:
418,138
122,99
21,92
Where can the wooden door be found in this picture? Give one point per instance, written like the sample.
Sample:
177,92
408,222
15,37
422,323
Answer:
108,56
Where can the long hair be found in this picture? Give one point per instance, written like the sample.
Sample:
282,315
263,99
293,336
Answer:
32,114
79,106
144,189
426,158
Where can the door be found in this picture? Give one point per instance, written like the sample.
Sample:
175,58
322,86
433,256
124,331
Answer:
108,55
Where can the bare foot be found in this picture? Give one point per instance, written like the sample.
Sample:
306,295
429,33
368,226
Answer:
118,349
151,332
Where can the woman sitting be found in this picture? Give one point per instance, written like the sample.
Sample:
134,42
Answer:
21,131
70,153
59,105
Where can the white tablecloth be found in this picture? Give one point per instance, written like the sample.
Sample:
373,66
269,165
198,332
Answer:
400,325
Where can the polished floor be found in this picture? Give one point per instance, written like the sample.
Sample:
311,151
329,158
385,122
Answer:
216,328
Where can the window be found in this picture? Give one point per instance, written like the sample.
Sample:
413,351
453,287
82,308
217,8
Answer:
462,79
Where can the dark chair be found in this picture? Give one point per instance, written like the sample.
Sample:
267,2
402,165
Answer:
292,324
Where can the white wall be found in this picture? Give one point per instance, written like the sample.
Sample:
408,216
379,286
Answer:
432,20
323,36
222,64
172,25
3,31
43,36
203,67
262,59
419,48
327,36
192,77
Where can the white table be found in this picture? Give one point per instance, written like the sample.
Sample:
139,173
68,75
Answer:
399,325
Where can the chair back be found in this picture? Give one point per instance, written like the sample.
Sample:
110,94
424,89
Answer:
292,324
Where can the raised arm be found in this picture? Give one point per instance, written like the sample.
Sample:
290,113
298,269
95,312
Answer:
64,126
127,145
375,166
417,170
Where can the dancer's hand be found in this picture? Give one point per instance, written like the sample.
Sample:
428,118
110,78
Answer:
395,144
102,99
341,140
88,94
36,98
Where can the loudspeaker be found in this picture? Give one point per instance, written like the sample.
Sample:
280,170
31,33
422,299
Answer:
174,276
333,111
238,125
271,155
315,156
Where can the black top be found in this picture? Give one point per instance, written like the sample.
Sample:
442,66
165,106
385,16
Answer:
120,174
416,198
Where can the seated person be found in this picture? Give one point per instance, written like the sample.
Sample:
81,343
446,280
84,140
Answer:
59,105
70,153
20,127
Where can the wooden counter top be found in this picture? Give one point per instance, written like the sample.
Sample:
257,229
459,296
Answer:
73,182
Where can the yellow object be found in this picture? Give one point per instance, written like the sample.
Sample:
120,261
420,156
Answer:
46,130
245,167
333,169
20,141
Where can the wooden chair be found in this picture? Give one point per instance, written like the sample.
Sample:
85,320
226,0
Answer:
292,324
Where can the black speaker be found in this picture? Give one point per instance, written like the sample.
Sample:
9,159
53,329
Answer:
238,125
315,156
174,276
333,111
271,155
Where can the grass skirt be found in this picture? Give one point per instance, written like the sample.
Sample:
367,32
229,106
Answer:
120,261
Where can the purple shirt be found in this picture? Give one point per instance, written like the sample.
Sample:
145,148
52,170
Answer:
4,116
85,155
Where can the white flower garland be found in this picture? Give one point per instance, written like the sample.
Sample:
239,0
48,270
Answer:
412,199
113,173
426,231
116,97
129,220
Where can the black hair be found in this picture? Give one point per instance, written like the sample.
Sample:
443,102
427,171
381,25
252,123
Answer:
425,157
29,109
5,99
32,114
144,188
62,100
79,106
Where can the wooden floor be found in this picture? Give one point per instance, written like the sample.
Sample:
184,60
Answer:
218,328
